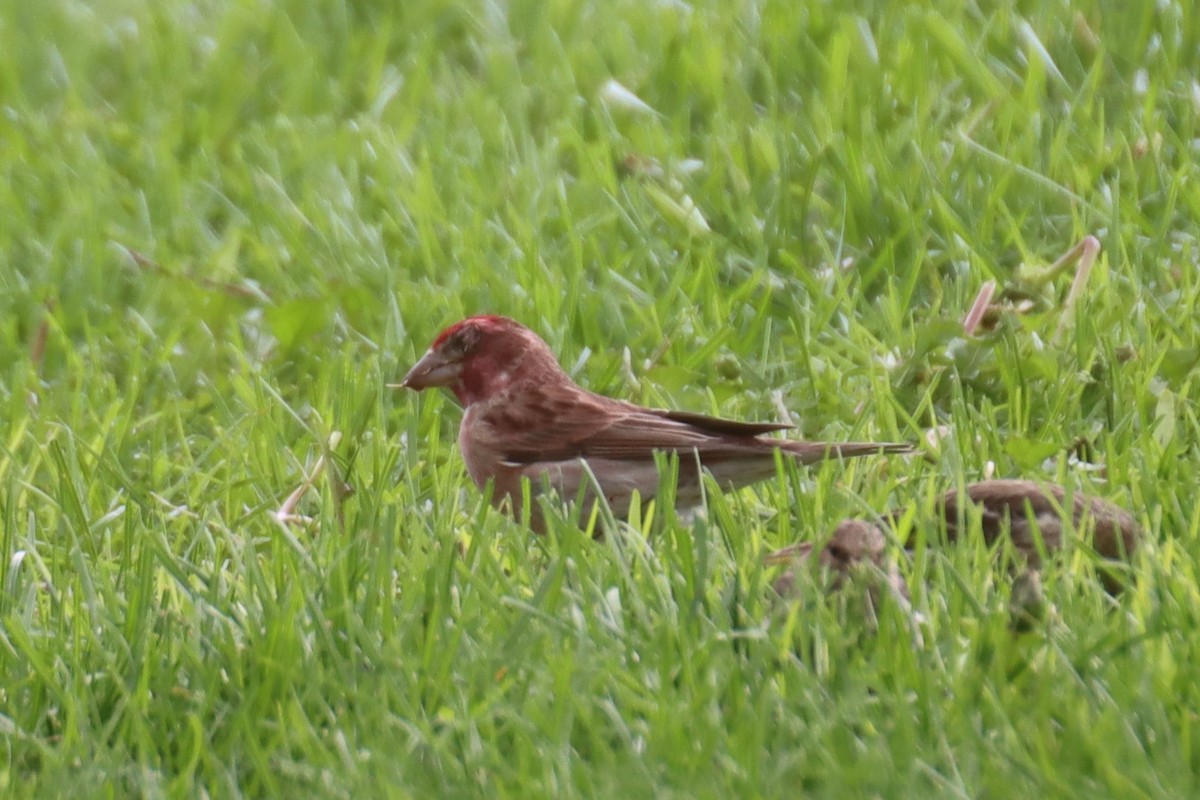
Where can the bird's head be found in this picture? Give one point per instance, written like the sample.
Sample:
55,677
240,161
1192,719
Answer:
480,356
853,541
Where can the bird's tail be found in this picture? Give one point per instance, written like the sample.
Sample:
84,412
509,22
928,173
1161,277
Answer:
809,452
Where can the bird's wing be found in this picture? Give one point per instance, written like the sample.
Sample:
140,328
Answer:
718,425
1008,505
585,425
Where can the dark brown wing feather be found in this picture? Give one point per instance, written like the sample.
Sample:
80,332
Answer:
1007,504
625,433
718,425
584,425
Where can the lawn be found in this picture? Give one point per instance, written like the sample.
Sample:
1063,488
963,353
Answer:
227,225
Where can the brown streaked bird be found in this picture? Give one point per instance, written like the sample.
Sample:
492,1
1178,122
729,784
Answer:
1021,509
525,418
1026,508
853,544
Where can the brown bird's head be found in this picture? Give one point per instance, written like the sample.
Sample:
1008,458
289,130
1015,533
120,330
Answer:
482,356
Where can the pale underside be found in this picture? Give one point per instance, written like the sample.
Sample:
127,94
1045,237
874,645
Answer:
622,478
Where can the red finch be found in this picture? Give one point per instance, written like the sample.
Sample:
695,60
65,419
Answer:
1022,509
525,418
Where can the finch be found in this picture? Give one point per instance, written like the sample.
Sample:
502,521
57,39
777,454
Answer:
1025,511
525,418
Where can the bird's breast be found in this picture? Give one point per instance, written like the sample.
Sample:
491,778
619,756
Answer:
475,449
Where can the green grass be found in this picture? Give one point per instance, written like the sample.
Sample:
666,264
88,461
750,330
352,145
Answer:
315,189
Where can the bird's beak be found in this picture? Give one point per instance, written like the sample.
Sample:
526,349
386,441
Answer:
801,551
432,370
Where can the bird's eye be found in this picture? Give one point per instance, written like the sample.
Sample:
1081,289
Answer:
459,344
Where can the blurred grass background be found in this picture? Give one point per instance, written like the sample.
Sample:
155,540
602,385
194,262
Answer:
224,226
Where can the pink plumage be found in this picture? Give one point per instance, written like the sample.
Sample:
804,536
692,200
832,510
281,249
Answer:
525,418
